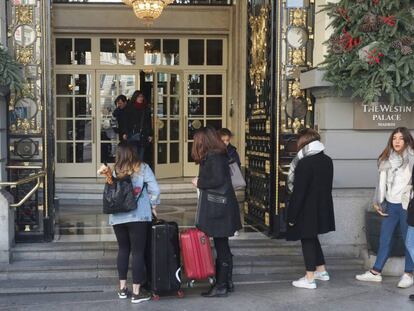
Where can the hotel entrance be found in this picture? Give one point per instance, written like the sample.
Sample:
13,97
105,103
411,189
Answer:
183,79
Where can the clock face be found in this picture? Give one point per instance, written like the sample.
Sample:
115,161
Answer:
24,35
297,37
25,108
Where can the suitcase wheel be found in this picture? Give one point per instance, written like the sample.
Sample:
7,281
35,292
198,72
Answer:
191,283
180,294
212,280
155,297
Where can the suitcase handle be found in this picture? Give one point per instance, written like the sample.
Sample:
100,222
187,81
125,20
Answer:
177,274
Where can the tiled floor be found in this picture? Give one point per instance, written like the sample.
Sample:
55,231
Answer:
88,223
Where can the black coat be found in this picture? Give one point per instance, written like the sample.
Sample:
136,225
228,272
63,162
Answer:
410,210
134,119
311,206
122,121
215,219
233,154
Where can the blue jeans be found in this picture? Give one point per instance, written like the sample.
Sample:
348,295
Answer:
396,214
409,241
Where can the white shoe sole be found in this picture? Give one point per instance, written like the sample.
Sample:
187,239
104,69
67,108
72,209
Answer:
122,297
369,280
140,300
322,278
310,286
404,286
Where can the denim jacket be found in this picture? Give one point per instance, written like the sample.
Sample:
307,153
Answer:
150,196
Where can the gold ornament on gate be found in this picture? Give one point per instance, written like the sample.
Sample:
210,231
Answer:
257,70
148,10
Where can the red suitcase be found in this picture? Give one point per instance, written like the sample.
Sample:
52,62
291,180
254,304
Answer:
197,256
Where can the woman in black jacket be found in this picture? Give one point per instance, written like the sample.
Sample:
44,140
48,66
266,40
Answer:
218,213
310,209
140,125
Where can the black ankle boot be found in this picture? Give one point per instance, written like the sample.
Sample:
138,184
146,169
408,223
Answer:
411,297
230,284
220,288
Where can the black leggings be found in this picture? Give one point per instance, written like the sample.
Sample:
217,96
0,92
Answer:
312,253
132,237
223,249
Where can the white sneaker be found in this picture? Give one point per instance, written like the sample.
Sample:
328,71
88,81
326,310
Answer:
304,283
369,277
321,276
406,281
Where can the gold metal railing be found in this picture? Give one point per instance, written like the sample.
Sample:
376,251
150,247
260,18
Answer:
13,184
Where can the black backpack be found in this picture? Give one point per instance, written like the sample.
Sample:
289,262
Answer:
118,197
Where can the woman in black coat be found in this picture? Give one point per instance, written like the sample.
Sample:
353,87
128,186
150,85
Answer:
310,210
218,213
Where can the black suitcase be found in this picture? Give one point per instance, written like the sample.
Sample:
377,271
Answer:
165,265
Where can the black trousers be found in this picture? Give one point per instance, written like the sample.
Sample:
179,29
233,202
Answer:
312,253
222,249
132,238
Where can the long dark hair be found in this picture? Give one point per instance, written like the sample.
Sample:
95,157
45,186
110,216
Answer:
408,142
135,96
206,140
126,160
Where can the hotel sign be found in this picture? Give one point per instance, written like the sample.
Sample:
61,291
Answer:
377,116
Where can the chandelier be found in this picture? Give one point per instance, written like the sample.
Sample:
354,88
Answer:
148,10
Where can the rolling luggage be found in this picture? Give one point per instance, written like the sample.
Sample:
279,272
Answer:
197,256
165,265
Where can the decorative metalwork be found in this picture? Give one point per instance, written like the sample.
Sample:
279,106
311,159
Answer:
258,37
24,14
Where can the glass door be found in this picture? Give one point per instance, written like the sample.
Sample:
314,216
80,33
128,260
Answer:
110,84
205,106
75,118
168,124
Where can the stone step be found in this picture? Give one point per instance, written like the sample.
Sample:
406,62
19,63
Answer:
104,268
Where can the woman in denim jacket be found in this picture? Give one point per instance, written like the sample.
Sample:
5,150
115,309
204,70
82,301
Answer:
131,227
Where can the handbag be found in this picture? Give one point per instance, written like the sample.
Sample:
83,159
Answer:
118,197
138,136
237,179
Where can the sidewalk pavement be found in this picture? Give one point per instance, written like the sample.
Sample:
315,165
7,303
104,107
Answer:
342,293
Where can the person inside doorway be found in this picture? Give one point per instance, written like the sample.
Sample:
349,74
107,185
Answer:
226,136
395,166
140,126
119,117
310,210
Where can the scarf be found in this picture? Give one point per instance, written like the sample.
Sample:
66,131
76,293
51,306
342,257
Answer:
310,149
140,106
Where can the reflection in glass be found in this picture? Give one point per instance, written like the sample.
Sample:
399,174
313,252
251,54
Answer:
83,152
126,85
162,83
174,84
297,37
152,52
162,153
193,126
83,84
174,129
108,152
162,106
174,153
64,129
107,132
63,54
214,123
214,85
64,84
174,106
107,85
83,107
127,51
24,35
83,52
25,108
107,106
64,152
83,129
170,55
108,52
195,52
214,106
162,130
195,84
215,52
64,107
195,106
189,157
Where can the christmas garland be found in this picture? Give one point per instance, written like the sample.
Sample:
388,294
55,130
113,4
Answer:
370,51
10,72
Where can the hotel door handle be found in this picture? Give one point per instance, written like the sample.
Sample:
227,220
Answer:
185,128
93,130
284,169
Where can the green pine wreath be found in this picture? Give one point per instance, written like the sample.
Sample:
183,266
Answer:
10,72
370,51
